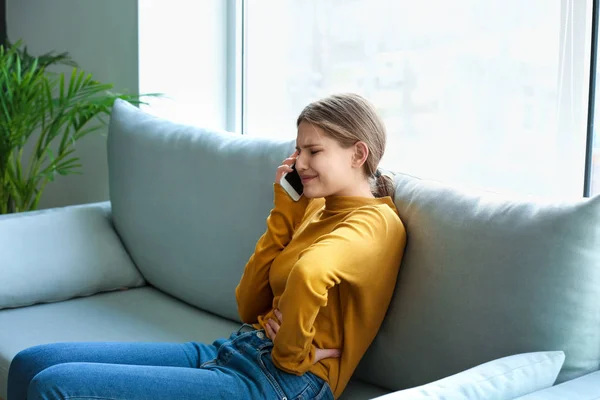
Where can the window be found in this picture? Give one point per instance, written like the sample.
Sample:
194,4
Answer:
486,93
492,94
183,54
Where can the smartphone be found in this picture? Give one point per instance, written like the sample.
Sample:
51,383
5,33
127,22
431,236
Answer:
292,184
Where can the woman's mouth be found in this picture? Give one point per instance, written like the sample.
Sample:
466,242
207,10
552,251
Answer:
306,179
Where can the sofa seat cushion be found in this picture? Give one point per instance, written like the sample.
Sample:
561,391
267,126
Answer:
359,390
141,314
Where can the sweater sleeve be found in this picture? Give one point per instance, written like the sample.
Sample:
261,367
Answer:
253,294
345,254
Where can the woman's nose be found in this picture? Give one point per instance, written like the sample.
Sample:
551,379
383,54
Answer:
300,163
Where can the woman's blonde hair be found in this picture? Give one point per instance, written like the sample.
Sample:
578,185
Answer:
349,118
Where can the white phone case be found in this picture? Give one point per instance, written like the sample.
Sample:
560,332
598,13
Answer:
289,189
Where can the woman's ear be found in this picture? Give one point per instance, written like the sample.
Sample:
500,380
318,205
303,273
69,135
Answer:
361,153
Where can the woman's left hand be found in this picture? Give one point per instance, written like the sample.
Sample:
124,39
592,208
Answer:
272,326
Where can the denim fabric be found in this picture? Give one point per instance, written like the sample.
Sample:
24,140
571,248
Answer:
239,367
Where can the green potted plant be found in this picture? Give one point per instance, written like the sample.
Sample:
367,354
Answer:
49,112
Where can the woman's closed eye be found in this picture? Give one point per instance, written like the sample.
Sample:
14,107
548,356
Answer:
312,152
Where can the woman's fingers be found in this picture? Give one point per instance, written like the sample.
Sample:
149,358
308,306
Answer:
321,354
270,332
274,326
278,315
334,352
331,353
289,161
282,169
286,166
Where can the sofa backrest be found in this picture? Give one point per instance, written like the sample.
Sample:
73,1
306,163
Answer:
189,204
486,276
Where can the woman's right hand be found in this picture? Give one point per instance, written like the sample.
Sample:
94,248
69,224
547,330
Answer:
326,353
286,166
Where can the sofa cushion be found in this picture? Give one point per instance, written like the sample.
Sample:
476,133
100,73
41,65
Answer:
135,315
190,204
485,276
61,253
583,388
359,390
502,379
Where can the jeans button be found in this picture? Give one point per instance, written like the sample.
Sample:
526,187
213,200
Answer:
260,335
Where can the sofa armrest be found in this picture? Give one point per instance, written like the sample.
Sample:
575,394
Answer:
61,253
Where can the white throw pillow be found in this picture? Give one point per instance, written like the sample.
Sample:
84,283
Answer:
505,378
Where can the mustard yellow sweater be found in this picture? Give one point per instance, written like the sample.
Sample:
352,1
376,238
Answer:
330,266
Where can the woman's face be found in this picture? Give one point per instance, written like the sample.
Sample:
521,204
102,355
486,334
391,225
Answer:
325,167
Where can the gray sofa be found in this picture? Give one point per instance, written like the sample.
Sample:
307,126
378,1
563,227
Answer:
484,276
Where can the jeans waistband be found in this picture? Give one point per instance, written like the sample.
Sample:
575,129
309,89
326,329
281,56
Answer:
246,328
256,338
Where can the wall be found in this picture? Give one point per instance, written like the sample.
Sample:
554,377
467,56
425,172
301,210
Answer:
102,36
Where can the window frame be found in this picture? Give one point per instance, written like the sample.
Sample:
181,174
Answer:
589,144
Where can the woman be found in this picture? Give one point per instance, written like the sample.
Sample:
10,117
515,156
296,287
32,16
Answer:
312,297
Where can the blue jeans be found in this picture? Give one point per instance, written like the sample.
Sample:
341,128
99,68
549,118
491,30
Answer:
236,368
